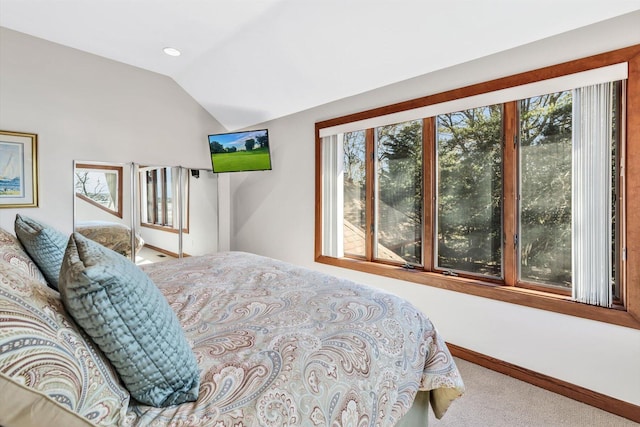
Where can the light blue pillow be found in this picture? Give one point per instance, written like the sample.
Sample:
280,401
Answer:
45,245
127,316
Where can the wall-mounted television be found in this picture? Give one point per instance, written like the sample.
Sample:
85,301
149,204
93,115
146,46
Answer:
240,151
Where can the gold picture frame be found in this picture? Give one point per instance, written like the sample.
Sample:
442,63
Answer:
18,169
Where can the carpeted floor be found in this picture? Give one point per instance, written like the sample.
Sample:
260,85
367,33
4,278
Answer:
496,400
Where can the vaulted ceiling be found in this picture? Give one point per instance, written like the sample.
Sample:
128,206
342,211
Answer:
249,61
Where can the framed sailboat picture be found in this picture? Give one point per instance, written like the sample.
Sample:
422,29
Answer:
18,170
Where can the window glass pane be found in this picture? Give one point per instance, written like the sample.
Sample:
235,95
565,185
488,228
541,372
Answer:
398,198
545,189
150,193
616,189
469,191
354,145
550,131
100,186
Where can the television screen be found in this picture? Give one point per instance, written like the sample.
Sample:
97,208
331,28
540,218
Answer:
240,151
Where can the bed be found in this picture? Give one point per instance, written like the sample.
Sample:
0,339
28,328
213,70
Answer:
113,235
275,345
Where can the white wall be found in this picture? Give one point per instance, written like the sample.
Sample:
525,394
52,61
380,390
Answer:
89,108
273,214
203,215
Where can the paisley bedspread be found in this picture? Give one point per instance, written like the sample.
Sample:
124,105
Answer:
281,345
113,235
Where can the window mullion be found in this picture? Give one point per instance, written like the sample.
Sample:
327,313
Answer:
510,193
428,162
621,221
154,196
370,193
632,190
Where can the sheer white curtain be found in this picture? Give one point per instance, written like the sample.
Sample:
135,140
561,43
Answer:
591,194
111,178
332,196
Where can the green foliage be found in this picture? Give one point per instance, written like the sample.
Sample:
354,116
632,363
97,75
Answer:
263,140
470,190
216,147
399,174
545,206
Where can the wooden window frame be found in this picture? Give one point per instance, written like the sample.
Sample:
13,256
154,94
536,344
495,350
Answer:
628,314
119,170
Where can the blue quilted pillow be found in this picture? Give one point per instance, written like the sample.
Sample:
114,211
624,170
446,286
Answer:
45,246
127,316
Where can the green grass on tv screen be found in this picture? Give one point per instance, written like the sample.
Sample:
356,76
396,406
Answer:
257,159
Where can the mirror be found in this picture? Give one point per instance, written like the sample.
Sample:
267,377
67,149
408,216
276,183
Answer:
164,212
103,205
161,211
202,219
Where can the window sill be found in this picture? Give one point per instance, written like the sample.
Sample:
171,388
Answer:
514,295
163,228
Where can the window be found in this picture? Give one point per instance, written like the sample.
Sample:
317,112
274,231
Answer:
469,191
354,166
398,193
568,209
159,194
100,186
524,199
545,126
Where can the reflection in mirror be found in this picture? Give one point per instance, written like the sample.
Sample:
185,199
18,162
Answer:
165,212
170,231
100,186
161,220
102,205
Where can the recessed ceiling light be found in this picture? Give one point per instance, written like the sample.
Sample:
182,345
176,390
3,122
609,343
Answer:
171,51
